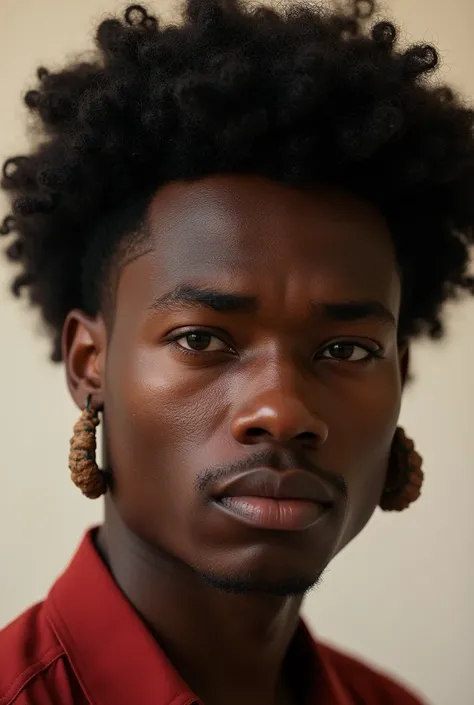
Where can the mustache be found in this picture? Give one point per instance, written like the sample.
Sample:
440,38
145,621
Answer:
274,459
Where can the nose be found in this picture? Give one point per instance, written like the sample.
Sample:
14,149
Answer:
278,414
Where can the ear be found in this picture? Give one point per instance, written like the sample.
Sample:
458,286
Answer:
404,362
84,348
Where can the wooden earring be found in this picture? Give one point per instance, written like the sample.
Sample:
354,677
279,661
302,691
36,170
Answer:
405,476
85,472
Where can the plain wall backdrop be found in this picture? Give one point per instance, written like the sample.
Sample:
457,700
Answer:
401,594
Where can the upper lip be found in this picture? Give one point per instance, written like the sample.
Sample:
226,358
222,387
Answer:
266,482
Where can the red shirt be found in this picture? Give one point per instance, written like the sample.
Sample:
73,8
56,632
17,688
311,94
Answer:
85,644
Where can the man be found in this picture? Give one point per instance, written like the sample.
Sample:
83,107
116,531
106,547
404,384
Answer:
227,231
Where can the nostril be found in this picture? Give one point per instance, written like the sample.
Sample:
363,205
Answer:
306,436
303,437
256,432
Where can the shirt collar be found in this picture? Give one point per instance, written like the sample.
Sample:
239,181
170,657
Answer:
115,658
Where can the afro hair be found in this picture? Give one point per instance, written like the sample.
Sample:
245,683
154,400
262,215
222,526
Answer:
301,95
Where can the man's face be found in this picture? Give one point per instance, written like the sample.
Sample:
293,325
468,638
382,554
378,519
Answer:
252,379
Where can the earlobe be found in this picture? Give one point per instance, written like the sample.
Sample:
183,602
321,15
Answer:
84,344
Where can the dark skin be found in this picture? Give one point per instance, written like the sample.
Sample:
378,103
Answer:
301,370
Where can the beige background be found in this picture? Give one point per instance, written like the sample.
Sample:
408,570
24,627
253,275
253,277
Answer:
402,594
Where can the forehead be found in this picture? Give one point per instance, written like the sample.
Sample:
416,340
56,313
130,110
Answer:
248,227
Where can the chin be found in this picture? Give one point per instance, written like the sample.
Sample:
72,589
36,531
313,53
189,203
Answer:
258,583
281,566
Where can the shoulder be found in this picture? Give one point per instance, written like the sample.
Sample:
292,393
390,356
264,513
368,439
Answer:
30,655
366,682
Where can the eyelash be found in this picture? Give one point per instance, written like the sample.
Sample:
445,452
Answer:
373,353
195,353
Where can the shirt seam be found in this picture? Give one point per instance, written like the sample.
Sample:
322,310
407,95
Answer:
32,671
56,622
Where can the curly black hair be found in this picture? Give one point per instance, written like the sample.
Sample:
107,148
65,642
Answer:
300,95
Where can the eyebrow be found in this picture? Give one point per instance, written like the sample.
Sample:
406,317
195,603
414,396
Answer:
197,297
223,302
356,311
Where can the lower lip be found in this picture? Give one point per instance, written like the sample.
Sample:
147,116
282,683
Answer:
274,514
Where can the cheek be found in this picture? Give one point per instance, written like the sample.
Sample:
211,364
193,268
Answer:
158,421
162,401
363,434
148,399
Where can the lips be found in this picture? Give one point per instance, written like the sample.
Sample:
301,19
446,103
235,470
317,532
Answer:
280,501
274,484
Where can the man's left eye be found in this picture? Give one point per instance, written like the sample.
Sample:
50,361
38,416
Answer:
347,352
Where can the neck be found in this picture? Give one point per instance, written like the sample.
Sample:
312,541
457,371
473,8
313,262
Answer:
227,648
